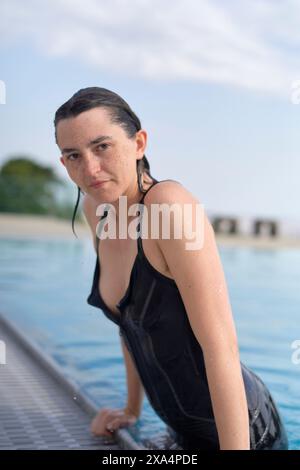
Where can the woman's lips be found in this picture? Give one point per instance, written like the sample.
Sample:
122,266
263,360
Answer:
97,184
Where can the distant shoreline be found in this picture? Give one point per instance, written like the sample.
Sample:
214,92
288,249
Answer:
37,226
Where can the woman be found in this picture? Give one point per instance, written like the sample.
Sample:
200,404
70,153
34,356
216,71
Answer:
174,316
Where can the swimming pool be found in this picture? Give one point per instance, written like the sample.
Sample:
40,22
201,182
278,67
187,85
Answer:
43,289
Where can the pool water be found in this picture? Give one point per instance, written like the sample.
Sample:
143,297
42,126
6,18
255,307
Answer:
43,289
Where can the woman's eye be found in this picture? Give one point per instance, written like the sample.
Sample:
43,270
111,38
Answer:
70,157
102,146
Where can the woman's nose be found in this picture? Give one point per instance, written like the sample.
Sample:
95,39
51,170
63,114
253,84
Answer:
92,164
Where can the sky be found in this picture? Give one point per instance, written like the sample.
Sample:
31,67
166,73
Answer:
211,81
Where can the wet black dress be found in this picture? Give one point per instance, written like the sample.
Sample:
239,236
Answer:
155,327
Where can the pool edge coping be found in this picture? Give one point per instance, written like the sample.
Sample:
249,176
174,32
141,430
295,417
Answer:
122,436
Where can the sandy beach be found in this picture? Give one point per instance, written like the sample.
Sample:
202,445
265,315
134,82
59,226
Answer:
36,226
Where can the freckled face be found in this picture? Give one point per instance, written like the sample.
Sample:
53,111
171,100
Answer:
94,149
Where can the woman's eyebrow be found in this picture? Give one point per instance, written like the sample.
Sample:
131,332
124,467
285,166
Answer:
99,139
92,142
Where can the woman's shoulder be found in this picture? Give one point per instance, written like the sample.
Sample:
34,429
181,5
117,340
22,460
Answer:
169,191
183,205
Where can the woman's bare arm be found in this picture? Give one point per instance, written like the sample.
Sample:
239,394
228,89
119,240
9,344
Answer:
135,390
201,282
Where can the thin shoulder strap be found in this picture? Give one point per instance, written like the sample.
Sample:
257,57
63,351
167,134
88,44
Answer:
144,194
97,238
139,239
155,182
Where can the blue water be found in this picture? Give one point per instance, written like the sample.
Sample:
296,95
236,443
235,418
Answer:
43,289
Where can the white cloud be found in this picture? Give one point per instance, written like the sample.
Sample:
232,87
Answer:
252,44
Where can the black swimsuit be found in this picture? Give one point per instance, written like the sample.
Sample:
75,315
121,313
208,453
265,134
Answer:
155,327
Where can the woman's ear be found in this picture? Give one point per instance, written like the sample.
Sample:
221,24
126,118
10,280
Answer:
141,143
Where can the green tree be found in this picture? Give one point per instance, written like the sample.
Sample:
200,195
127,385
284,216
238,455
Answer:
29,187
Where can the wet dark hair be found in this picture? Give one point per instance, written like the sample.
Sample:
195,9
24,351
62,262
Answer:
120,113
